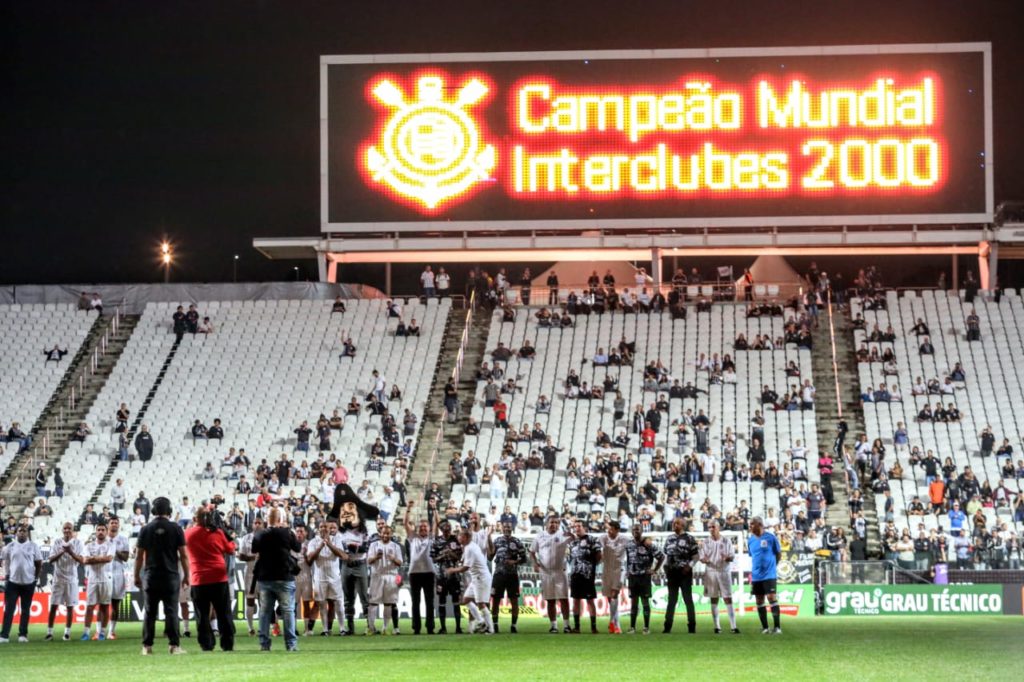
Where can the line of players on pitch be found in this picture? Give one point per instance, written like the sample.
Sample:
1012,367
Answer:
460,564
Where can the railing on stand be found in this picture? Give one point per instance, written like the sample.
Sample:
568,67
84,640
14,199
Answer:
835,361
456,373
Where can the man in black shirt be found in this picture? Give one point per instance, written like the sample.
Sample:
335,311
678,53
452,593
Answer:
584,556
275,577
508,553
680,552
161,550
447,553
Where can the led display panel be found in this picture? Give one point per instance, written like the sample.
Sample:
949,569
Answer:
571,140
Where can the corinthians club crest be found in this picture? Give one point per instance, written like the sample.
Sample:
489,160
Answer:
430,150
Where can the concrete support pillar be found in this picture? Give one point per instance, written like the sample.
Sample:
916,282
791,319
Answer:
321,267
387,278
332,271
656,273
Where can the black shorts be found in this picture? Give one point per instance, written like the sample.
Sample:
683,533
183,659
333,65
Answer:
505,584
639,585
450,584
582,587
761,588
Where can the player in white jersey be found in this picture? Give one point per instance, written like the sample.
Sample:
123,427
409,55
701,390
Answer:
323,553
65,554
304,602
613,563
384,558
478,592
717,553
118,586
98,555
247,560
480,532
548,552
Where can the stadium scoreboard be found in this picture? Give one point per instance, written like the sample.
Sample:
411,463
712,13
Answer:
850,135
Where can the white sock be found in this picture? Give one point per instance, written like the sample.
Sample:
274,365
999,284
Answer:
67,631
554,622
372,611
613,609
732,614
213,624
714,616
49,631
249,613
339,614
474,612
490,623
323,616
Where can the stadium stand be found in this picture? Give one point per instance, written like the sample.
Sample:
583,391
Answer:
986,397
27,379
573,423
225,375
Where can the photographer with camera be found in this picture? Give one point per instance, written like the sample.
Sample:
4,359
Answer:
208,542
275,571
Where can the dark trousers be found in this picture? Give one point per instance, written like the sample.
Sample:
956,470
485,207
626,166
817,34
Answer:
422,582
215,595
165,592
13,594
353,584
680,580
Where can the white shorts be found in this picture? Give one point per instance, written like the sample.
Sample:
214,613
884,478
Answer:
717,584
64,592
184,593
554,585
97,593
383,590
118,585
304,589
327,590
611,583
478,591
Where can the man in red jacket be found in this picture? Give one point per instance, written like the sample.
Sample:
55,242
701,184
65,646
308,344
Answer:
207,546
501,414
647,439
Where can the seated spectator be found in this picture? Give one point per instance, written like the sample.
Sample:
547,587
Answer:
508,313
55,354
501,353
859,322
348,348
543,317
208,473
396,393
895,396
958,373
400,329
527,351
565,320
413,329
393,309
216,431
926,347
96,302
881,394
206,327
919,387
741,343
472,428
920,328
339,305
543,405
198,430
600,358
79,434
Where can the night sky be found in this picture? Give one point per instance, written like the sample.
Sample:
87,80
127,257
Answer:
123,122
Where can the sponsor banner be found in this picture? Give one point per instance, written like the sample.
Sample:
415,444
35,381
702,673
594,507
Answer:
913,600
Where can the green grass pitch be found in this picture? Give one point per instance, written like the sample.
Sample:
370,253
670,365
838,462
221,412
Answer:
821,648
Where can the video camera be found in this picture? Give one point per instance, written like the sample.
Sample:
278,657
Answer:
212,518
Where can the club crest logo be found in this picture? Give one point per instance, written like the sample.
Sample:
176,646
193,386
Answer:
430,150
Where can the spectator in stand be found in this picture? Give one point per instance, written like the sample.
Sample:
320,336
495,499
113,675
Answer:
807,396
178,323
144,444
55,354
500,413
525,284
427,279
16,435
96,302
338,306
552,283
122,417
216,431
973,326
206,327
302,435
926,347
192,319
443,282
41,478
84,301
199,430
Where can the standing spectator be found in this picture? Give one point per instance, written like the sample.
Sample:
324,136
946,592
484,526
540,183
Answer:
552,283
117,496
525,283
444,283
58,483
123,415
427,280
973,326
302,437
192,319
41,477
178,323
144,444
421,570
274,577
161,551
22,563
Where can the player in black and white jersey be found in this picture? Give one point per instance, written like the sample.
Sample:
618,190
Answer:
447,553
65,555
643,560
508,553
584,556
680,552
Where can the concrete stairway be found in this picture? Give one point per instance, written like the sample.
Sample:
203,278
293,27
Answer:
69,405
827,413
424,470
